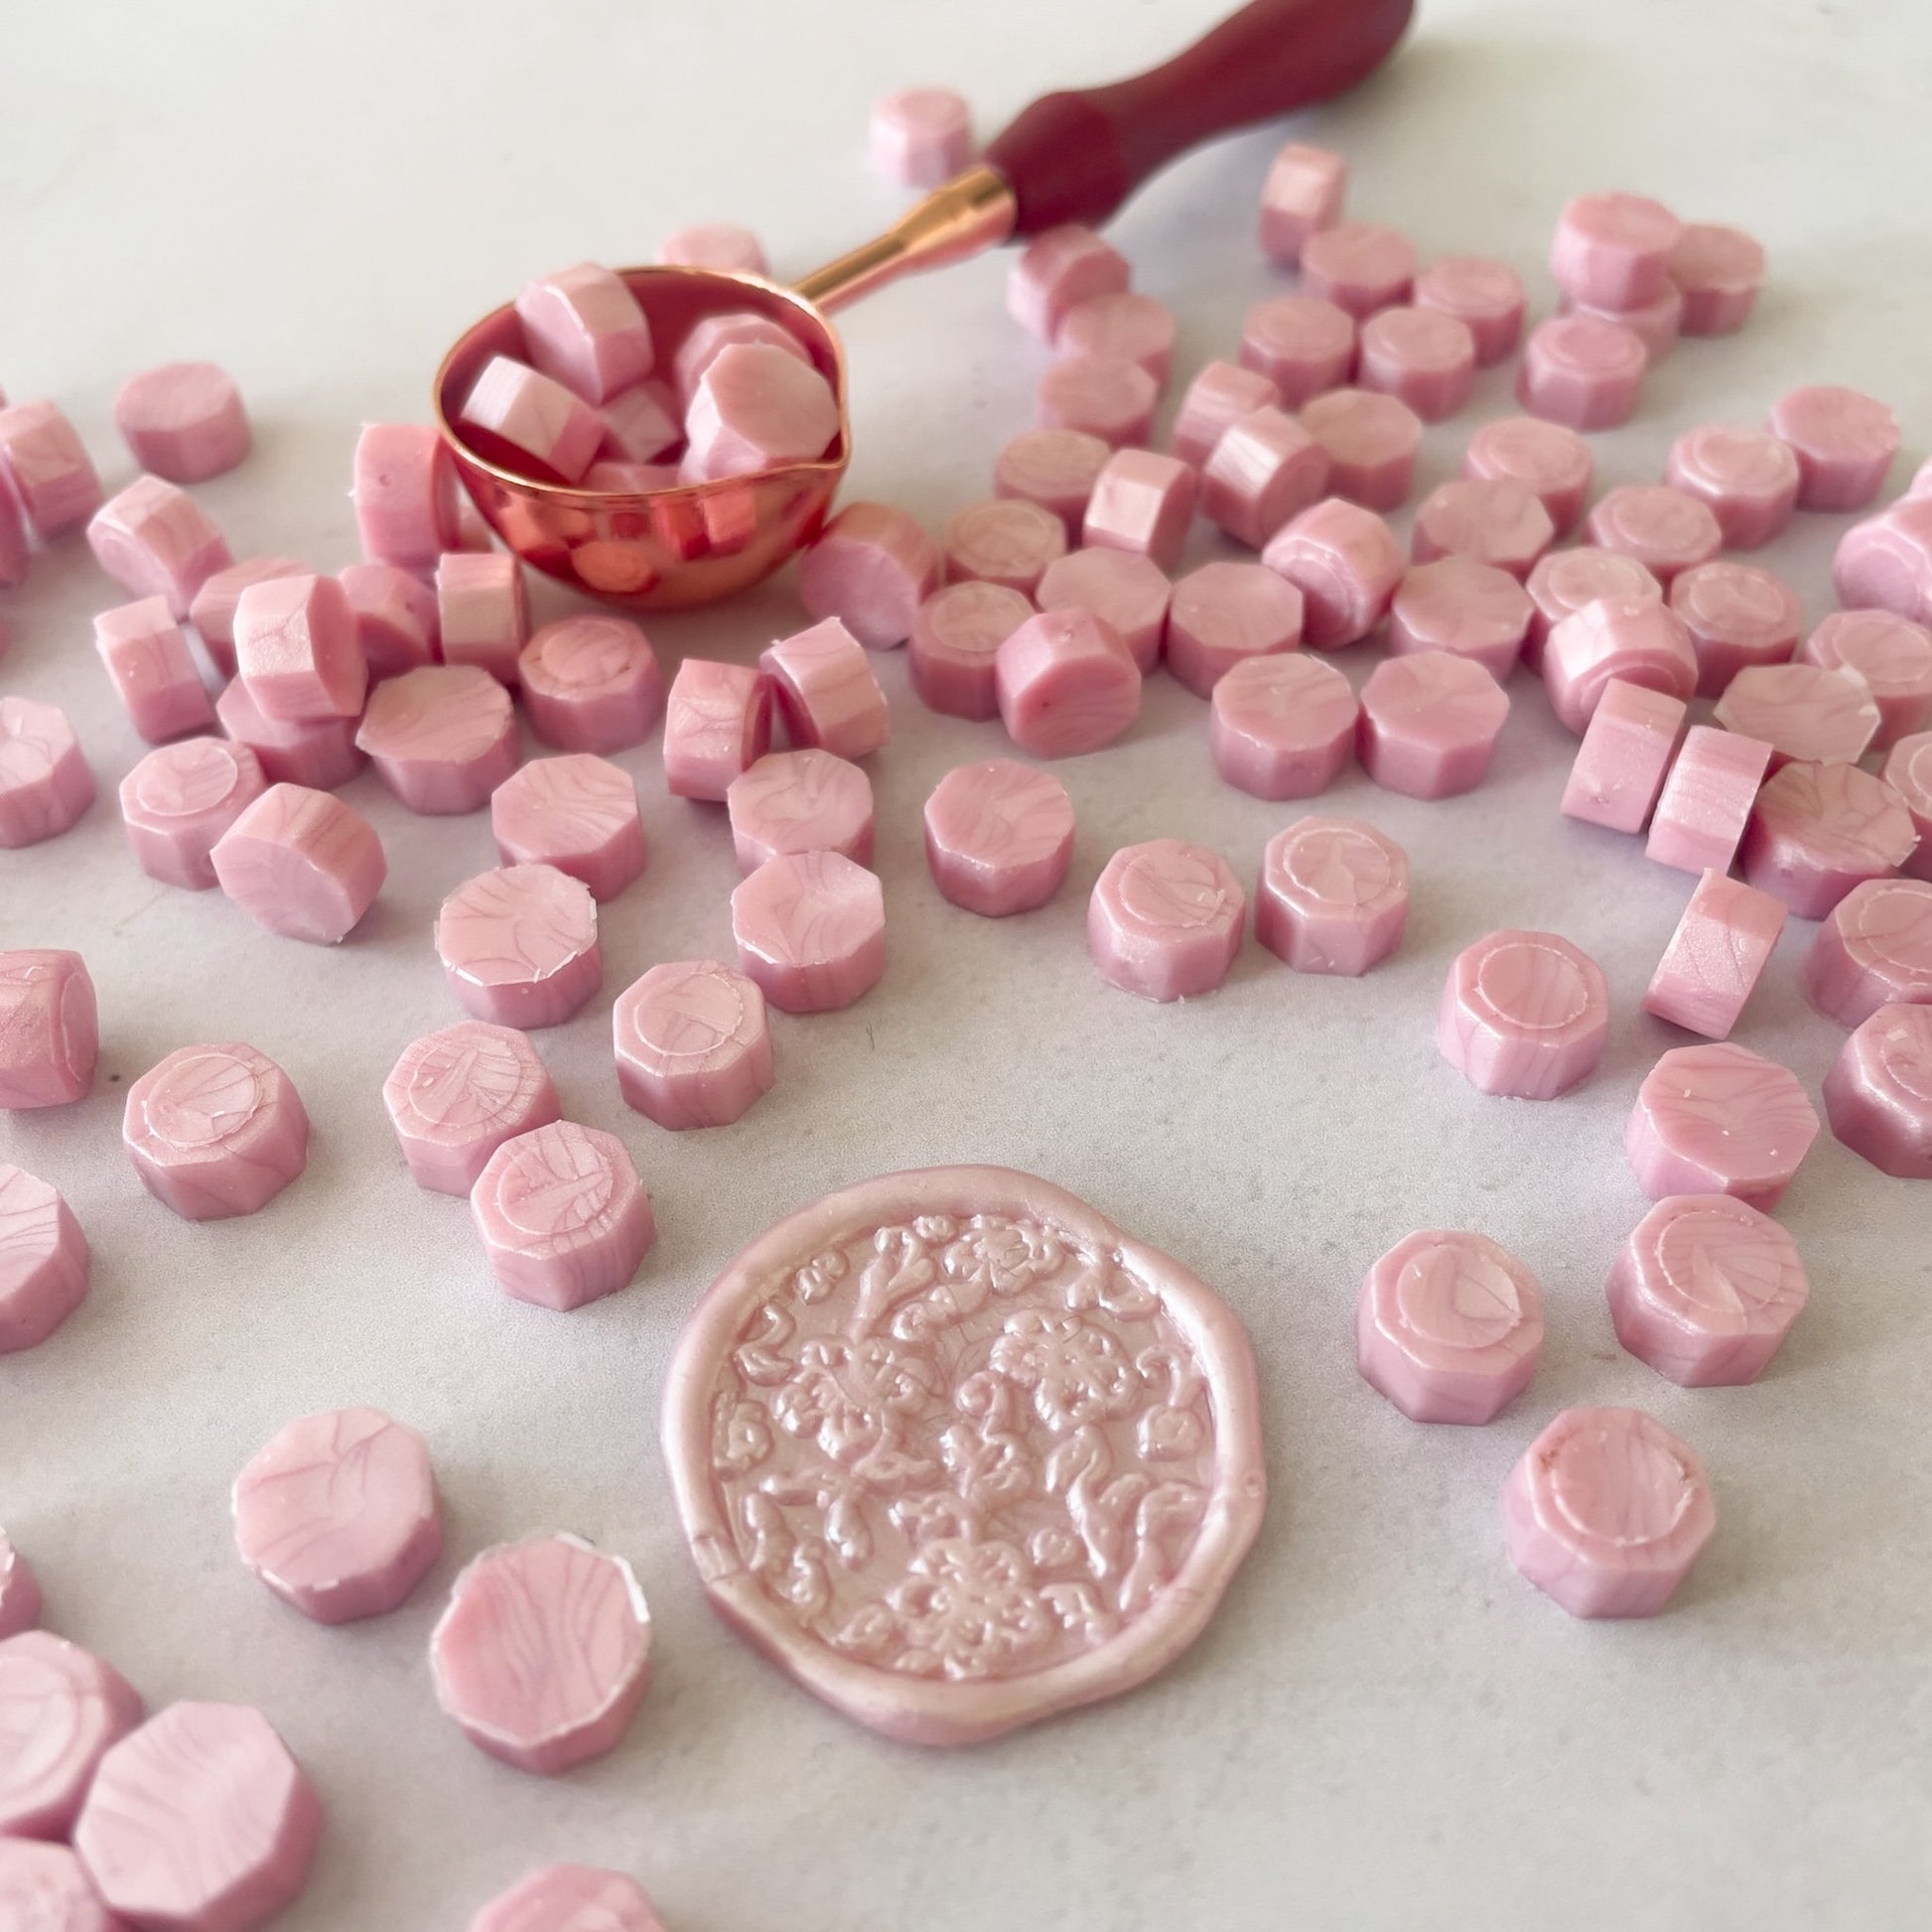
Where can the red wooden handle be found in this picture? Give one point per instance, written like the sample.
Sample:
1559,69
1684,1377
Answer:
1077,157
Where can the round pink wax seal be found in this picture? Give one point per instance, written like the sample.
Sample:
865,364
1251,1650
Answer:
958,1454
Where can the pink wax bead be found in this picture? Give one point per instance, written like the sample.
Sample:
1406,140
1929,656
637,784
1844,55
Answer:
1563,580
296,650
184,421
337,1514
921,136
999,837
1719,1119
1720,271
1627,748
871,568
395,618
1056,469
1303,345
1738,615
1715,957
1606,1512
45,1889
20,1592
1302,196
1873,949
50,474
482,612
154,539
1499,524
1333,896
1582,372
1165,920
1224,613
215,1131
1345,562
1747,476
1468,608
956,636
455,1096
152,670
1843,442
1422,355
1908,771
1817,830
212,613
1553,463
711,335
1055,271
1656,322
1707,800
1525,1015
1141,501
756,407
1370,441
1802,711
1895,658
1430,723
799,801
44,1262
827,692
44,782
1666,530
59,1711
1219,396
1122,326
578,813
715,245
1638,638
1066,684
1264,471
14,557
520,945
717,722
1283,725
1129,593
405,492
1102,395
638,427
1358,266
1613,249
1886,562
442,737
1004,540
693,1045
1449,1327
583,327
301,862
1879,1093
1485,296
50,1036
569,1898
532,421
320,753
591,683
180,799
810,929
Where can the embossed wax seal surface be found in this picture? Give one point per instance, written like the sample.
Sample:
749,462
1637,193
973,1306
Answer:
956,1453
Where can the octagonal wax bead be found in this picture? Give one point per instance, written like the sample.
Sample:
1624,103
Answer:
1488,297
1563,580
1100,395
583,327
1493,522
182,420
693,1045
1845,443
1720,271
441,737
319,753
481,610
1639,639
1738,616
1224,613
45,1889
919,137
1123,589
578,813
1459,604
61,1707
1066,684
520,945
799,801
455,1096
1747,476
20,1591
1895,658
301,862
1719,1119
1125,327
871,567
569,1898
956,638
337,1514
1423,355
297,649
1141,501
1582,372
178,801
715,245
1886,562
1656,324
1370,440
757,407
50,1029
1302,196
1817,830
45,781
1219,396
1165,920
527,420
1626,753
591,683
1613,249
1283,726
43,1263
216,1131
1263,470
1721,945
1549,459
1706,1290
1430,723
152,670
1055,271
1449,1327
48,468
1879,1093
1056,469
1707,800
1305,346
999,837
1665,530
395,618
712,334
154,540
1524,1015
563,1216
1333,896
1873,949
1006,540
1606,1512
1345,562
827,692
717,724
405,493
810,929
1908,771
1359,266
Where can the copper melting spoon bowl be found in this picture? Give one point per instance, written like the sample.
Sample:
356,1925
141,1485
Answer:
1070,156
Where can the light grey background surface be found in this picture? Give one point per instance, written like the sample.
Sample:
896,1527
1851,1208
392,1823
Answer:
1385,1727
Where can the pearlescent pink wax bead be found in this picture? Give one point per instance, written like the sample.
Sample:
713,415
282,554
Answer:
956,636
1719,1119
154,540
1053,467
693,1045
1707,800
1066,684
1465,607
1817,830
442,737
405,493
1499,524
1345,562
184,421
810,929
755,407
1485,296
578,813
43,1261
52,475
563,1216
60,1709
320,753
1124,590
213,612
1563,580
45,1889
1666,530
569,1898
1606,1512
1225,612
1552,462
871,568
1370,441
1124,326
481,610
1422,355
1802,711
395,618
1165,920
1738,615
591,683
297,651
1525,1015
799,801
455,1096
999,837
1103,396
1283,727
1613,249
1449,1327
921,136
1879,1093
1747,476
216,1131
1142,503
1303,345
1843,442
583,327
717,722
711,335
50,1036
1358,266
1057,270
1262,472
1302,196
1720,271
1430,723
715,245
44,781
520,945
1895,658
1333,896
1627,748
1583,370
1656,322
544,1652
1219,396
180,799
20,1591
302,864
1715,957
1886,562
337,1514
1908,771
1873,949
1638,638
530,421
639,427
827,691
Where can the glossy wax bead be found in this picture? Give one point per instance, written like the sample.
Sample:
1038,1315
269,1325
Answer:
1485,296
1165,920
405,493
1713,959
44,1264
1707,800
455,1096
154,540
1613,249
20,1591
47,1887
1359,266
1666,530
1895,658
1057,269
1582,372
216,1131
717,722
1224,613
1302,195
1718,271
1886,562
715,245
1422,355
999,836
799,801
1345,562
336,1513
1627,748
213,612
1430,723
1333,898
1563,580
1552,462
827,692
302,864
711,334
1305,346
1124,590
956,636
871,568
1879,1093
1524,1015
1606,1512
591,683
1102,395
1370,441
44,781
60,1709
1066,684
1843,442
693,1045
1738,615
921,136
1499,524
1466,607
1817,830
184,421
1124,326
639,427
1908,771
810,929
481,610
540,427
520,945
1747,476
1802,711
1638,638
1720,1119
578,813
1264,471
583,327
569,1898
442,737
1283,726
297,651
1656,322
1056,469
180,799
49,1035
754,408
1219,394
395,618
1141,501
48,468
1874,949
317,751
1449,1326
